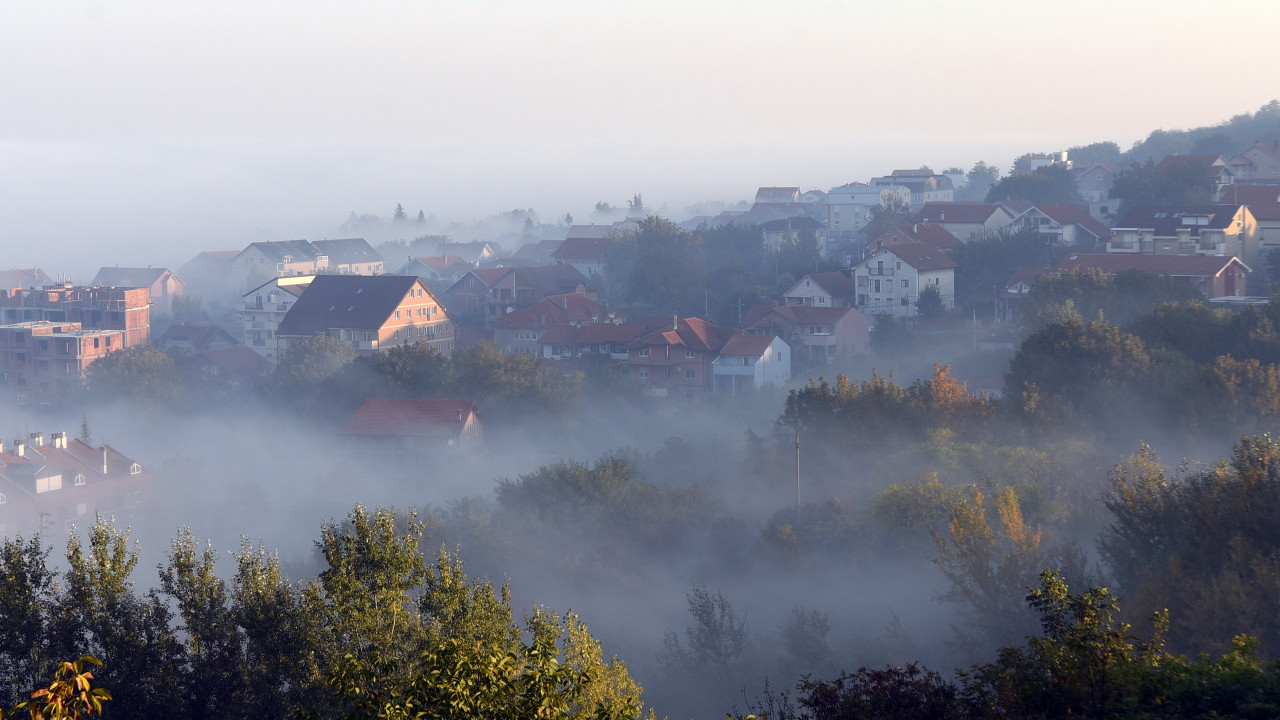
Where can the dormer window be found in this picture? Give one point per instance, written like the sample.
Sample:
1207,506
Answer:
80,479
135,469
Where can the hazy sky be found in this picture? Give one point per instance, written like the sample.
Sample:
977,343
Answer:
142,132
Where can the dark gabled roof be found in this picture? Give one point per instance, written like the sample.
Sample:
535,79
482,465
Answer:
589,232
346,301
957,212
125,277
566,309
198,335
584,249
1166,220
1172,265
930,234
347,251
799,222
487,276
411,417
777,195
1210,164
277,250
551,279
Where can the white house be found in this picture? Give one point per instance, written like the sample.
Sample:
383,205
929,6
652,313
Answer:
751,362
261,309
849,206
890,280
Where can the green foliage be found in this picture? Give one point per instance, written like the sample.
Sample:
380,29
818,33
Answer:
1176,183
27,598
1116,298
1084,156
1203,544
978,182
305,364
907,692
1046,185
929,304
143,374
986,264
507,385
884,217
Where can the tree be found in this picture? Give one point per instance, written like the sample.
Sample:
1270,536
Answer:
636,207
27,600
422,218
1046,185
929,305
884,217
716,637
1084,156
1168,183
978,182
141,373
304,365
398,215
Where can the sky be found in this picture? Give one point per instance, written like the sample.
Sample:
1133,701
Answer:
140,133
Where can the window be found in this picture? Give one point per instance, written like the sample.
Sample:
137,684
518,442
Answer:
690,374
395,334
904,302
135,469
644,373
644,352
690,354
397,314
80,479
906,283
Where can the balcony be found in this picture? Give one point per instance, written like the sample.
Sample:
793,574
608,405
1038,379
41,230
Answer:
880,272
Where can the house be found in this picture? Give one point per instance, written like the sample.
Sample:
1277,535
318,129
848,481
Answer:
43,364
261,261
486,294
370,312
94,308
23,278
967,221
349,256
261,309
1214,276
750,362
1015,291
927,234
925,187
1093,183
1221,230
519,331
1263,202
849,207
675,359
593,340
208,275
194,337
541,252
438,271
415,426
786,232
778,196
235,367
585,248
163,285
826,289
52,486
890,280
1064,225
815,334
1259,164
475,251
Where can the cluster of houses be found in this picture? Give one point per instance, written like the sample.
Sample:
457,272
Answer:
542,300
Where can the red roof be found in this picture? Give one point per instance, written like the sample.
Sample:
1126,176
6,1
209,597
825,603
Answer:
1263,200
836,283
1172,265
748,345
693,333
412,417
566,309
583,249
923,257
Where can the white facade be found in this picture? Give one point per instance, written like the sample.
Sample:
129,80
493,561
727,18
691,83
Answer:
889,285
736,373
262,308
849,206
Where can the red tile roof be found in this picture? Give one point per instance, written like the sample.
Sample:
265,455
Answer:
748,345
1172,265
956,212
1072,215
923,257
582,249
414,417
1263,200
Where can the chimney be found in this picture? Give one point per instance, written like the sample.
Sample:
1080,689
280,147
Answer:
675,322
19,448
37,439
104,459
60,440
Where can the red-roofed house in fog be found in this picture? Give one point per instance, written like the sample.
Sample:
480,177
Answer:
890,280
64,482
415,425
1213,275
751,362
815,334
675,359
